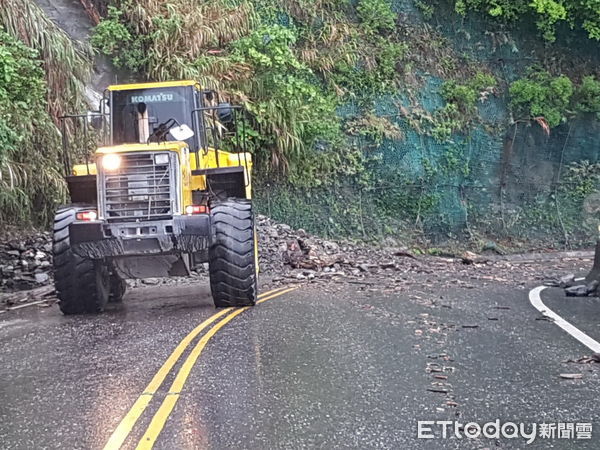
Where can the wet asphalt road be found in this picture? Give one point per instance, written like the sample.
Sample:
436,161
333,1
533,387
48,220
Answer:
319,367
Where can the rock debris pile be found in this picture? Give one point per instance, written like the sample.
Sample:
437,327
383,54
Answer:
25,262
288,255
576,287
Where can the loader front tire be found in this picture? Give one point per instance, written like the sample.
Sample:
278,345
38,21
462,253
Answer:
232,254
82,285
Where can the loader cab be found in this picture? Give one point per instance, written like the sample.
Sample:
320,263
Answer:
136,112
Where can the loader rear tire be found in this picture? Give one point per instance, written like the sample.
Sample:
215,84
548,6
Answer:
82,285
232,254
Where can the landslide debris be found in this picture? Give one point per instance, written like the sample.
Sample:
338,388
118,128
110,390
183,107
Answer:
290,255
25,262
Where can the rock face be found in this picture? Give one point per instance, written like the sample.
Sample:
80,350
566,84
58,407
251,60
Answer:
25,262
76,19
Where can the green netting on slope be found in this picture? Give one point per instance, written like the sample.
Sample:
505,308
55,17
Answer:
494,111
499,180
468,183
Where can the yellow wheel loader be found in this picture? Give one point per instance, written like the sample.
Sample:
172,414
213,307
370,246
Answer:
160,197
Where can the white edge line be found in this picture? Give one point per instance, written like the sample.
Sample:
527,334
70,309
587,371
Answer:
536,300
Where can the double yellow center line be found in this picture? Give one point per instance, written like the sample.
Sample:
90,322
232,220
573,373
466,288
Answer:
124,428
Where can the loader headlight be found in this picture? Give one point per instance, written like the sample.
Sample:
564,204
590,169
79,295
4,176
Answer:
111,162
161,160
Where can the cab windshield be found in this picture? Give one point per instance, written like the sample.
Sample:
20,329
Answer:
156,105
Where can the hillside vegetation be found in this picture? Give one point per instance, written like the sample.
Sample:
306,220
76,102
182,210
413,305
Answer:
42,76
294,62
314,76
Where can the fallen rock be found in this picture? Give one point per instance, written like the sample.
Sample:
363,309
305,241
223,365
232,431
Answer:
577,291
363,267
469,257
566,281
41,277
